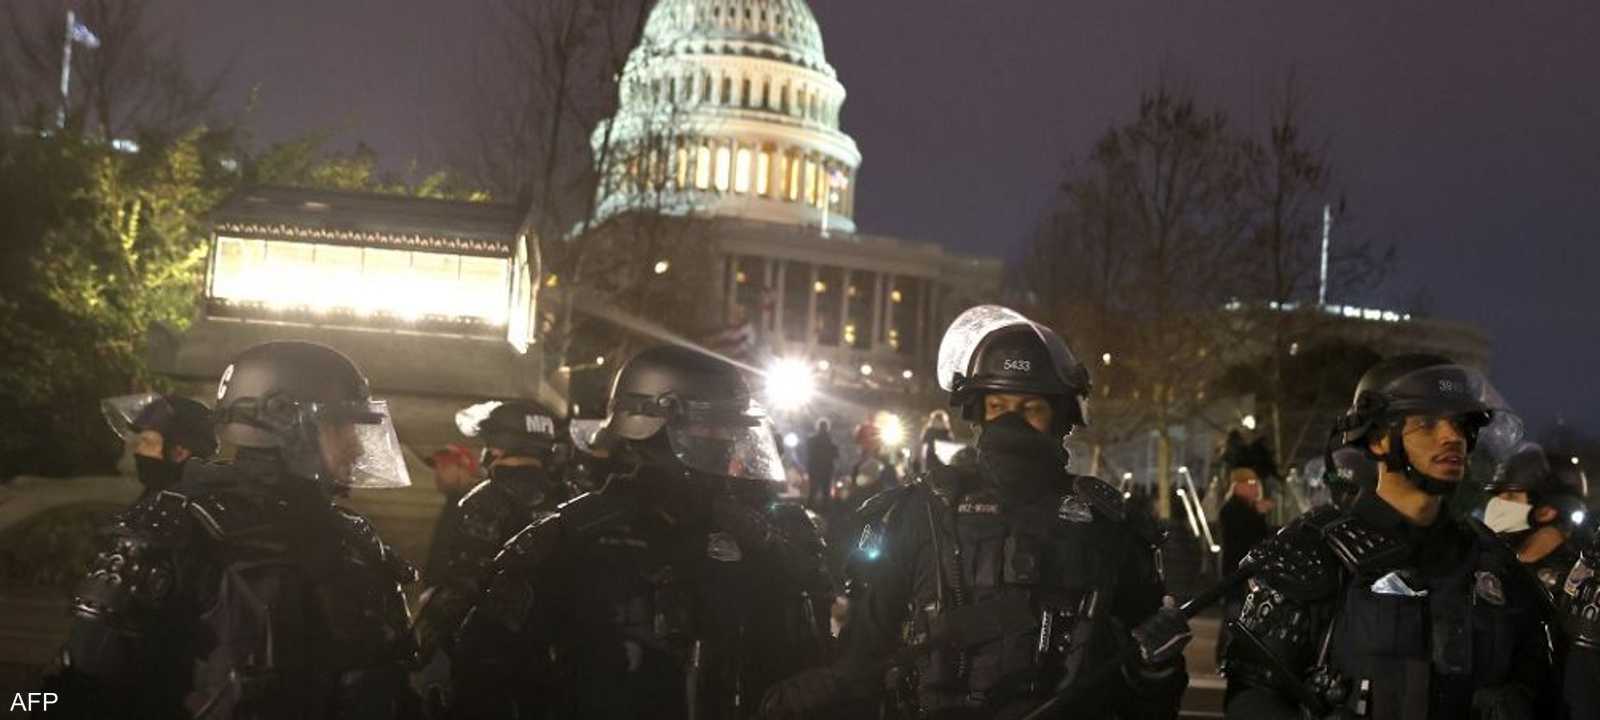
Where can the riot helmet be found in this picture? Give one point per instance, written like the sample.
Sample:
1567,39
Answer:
517,428
1353,471
678,405
1425,385
990,348
180,421
312,405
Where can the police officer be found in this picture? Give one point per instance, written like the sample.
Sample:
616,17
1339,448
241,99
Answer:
1535,513
1579,603
1391,609
680,589
525,450
242,591
164,432
980,590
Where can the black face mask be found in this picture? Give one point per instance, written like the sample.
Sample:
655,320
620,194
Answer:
1021,460
157,474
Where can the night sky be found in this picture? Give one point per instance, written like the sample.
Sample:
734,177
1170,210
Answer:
1464,131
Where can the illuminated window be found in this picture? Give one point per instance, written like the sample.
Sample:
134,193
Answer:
792,185
323,278
683,167
763,169
811,181
724,159
741,171
702,167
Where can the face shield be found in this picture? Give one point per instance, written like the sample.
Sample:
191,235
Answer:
583,432
358,444
469,418
1465,395
738,445
124,413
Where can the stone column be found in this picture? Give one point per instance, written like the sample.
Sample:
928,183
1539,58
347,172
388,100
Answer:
811,309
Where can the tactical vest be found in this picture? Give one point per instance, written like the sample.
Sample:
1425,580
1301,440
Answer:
1022,598
307,612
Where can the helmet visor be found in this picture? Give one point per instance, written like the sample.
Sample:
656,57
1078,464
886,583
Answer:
583,431
1465,394
360,449
742,450
123,412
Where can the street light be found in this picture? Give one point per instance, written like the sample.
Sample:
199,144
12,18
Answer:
789,384
662,266
866,369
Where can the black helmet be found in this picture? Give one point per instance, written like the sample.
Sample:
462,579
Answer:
282,394
517,427
1424,384
1528,470
704,407
990,348
180,420
1415,384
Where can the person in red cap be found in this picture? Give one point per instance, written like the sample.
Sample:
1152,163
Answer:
455,472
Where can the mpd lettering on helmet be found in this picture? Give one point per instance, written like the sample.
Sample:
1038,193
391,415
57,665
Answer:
1019,365
540,424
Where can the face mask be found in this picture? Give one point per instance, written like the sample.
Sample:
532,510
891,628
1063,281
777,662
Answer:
1010,434
157,474
1506,516
1022,461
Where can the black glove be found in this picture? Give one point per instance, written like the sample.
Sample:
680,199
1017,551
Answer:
1162,637
802,695
1502,702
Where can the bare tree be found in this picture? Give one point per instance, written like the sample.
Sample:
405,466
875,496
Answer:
134,81
1135,263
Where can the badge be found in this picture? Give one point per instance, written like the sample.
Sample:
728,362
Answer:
721,547
1074,509
1488,588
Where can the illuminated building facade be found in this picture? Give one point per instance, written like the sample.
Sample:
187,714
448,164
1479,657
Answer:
730,114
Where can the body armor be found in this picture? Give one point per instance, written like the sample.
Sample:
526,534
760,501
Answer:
1009,601
1387,622
243,593
614,607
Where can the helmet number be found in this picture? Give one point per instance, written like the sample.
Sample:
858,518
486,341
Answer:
1019,365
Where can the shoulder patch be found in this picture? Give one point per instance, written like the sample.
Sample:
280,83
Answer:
1101,496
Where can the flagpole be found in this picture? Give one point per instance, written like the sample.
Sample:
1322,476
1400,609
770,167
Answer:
66,68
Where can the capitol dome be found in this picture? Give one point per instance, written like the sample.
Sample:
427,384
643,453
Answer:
730,108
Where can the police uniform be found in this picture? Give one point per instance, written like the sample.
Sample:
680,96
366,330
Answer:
1579,604
1361,610
682,589
974,604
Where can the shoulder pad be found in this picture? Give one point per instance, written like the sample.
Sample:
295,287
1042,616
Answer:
231,516
1296,561
1099,493
948,483
1358,546
879,507
364,536
484,509
589,511
534,544
795,522
162,519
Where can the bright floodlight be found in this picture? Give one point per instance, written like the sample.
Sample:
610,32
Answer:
789,384
866,369
907,374
890,429
662,266
1249,422
791,440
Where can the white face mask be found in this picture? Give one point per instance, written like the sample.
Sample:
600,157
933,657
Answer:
1506,516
